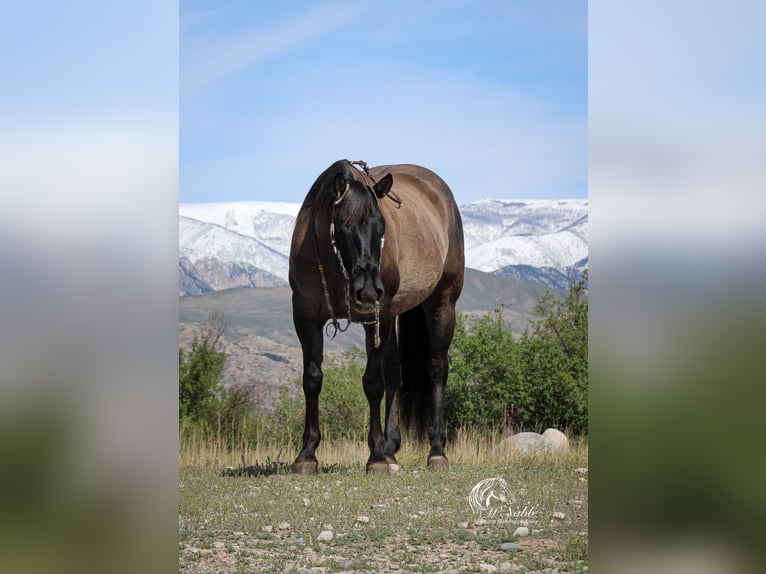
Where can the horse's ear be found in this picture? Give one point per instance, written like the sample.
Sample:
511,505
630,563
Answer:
384,186
340,186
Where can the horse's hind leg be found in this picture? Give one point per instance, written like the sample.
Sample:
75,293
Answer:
310,335
441,327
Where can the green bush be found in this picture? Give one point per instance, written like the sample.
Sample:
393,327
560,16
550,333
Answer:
554,363
542,379
483,375
205,407
200,392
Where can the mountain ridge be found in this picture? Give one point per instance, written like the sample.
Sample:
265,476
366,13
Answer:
539,241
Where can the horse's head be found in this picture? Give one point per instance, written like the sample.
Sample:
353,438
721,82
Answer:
359,228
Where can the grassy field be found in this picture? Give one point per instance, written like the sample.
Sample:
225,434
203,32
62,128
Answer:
413,520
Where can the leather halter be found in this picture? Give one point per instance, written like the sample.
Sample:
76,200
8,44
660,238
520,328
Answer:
334,323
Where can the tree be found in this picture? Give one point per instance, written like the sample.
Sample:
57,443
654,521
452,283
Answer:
484,373
538,381
554,362
200,392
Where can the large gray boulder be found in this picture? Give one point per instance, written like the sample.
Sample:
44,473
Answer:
526,443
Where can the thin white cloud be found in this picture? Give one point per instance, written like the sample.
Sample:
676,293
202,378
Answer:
204,63
484,138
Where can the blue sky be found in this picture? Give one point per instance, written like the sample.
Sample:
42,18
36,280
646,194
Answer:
490,95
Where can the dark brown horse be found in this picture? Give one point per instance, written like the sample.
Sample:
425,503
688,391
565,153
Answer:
370,246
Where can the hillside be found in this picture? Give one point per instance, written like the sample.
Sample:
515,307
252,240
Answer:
263,350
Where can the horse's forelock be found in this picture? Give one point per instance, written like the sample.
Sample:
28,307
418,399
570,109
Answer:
358,202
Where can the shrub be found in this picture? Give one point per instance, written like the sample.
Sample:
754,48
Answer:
483,376
199,375
541,379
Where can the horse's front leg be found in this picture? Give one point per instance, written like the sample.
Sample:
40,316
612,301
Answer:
374,386
393,375
310,336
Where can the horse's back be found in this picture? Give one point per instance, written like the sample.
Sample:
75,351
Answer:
424,235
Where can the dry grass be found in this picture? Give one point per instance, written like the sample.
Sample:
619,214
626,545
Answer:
467,448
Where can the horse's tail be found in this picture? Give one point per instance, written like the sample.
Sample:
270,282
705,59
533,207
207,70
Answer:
415,397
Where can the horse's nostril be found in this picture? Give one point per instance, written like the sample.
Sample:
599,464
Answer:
366,296
379,293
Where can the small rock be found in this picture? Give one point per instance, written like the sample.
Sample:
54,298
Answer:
582,479
443,556
267,528
363,519
559,515
325,536
283,526
346,564
218,544
480,522
582,470
306,502
511,546
509,567
559,441
484,567
462,525
394,467
521,531
206,552
238,533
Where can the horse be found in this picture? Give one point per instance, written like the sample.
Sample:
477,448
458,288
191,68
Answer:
383,247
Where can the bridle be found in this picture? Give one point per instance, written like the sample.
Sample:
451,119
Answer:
334,324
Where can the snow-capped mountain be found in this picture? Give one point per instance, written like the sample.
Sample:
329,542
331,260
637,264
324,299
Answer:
246,244
538,241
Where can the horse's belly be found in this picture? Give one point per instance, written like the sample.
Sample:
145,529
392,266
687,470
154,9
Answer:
417,282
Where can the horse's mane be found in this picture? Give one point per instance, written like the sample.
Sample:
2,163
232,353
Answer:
321,196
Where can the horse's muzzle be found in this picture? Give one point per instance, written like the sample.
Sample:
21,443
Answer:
367,290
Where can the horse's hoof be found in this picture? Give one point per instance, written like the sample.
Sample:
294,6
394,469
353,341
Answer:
391,459
305,467
438,462
379,467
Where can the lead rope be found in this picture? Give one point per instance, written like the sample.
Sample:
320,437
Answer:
333,319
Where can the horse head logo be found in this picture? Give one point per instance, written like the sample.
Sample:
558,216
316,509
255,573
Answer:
489,496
